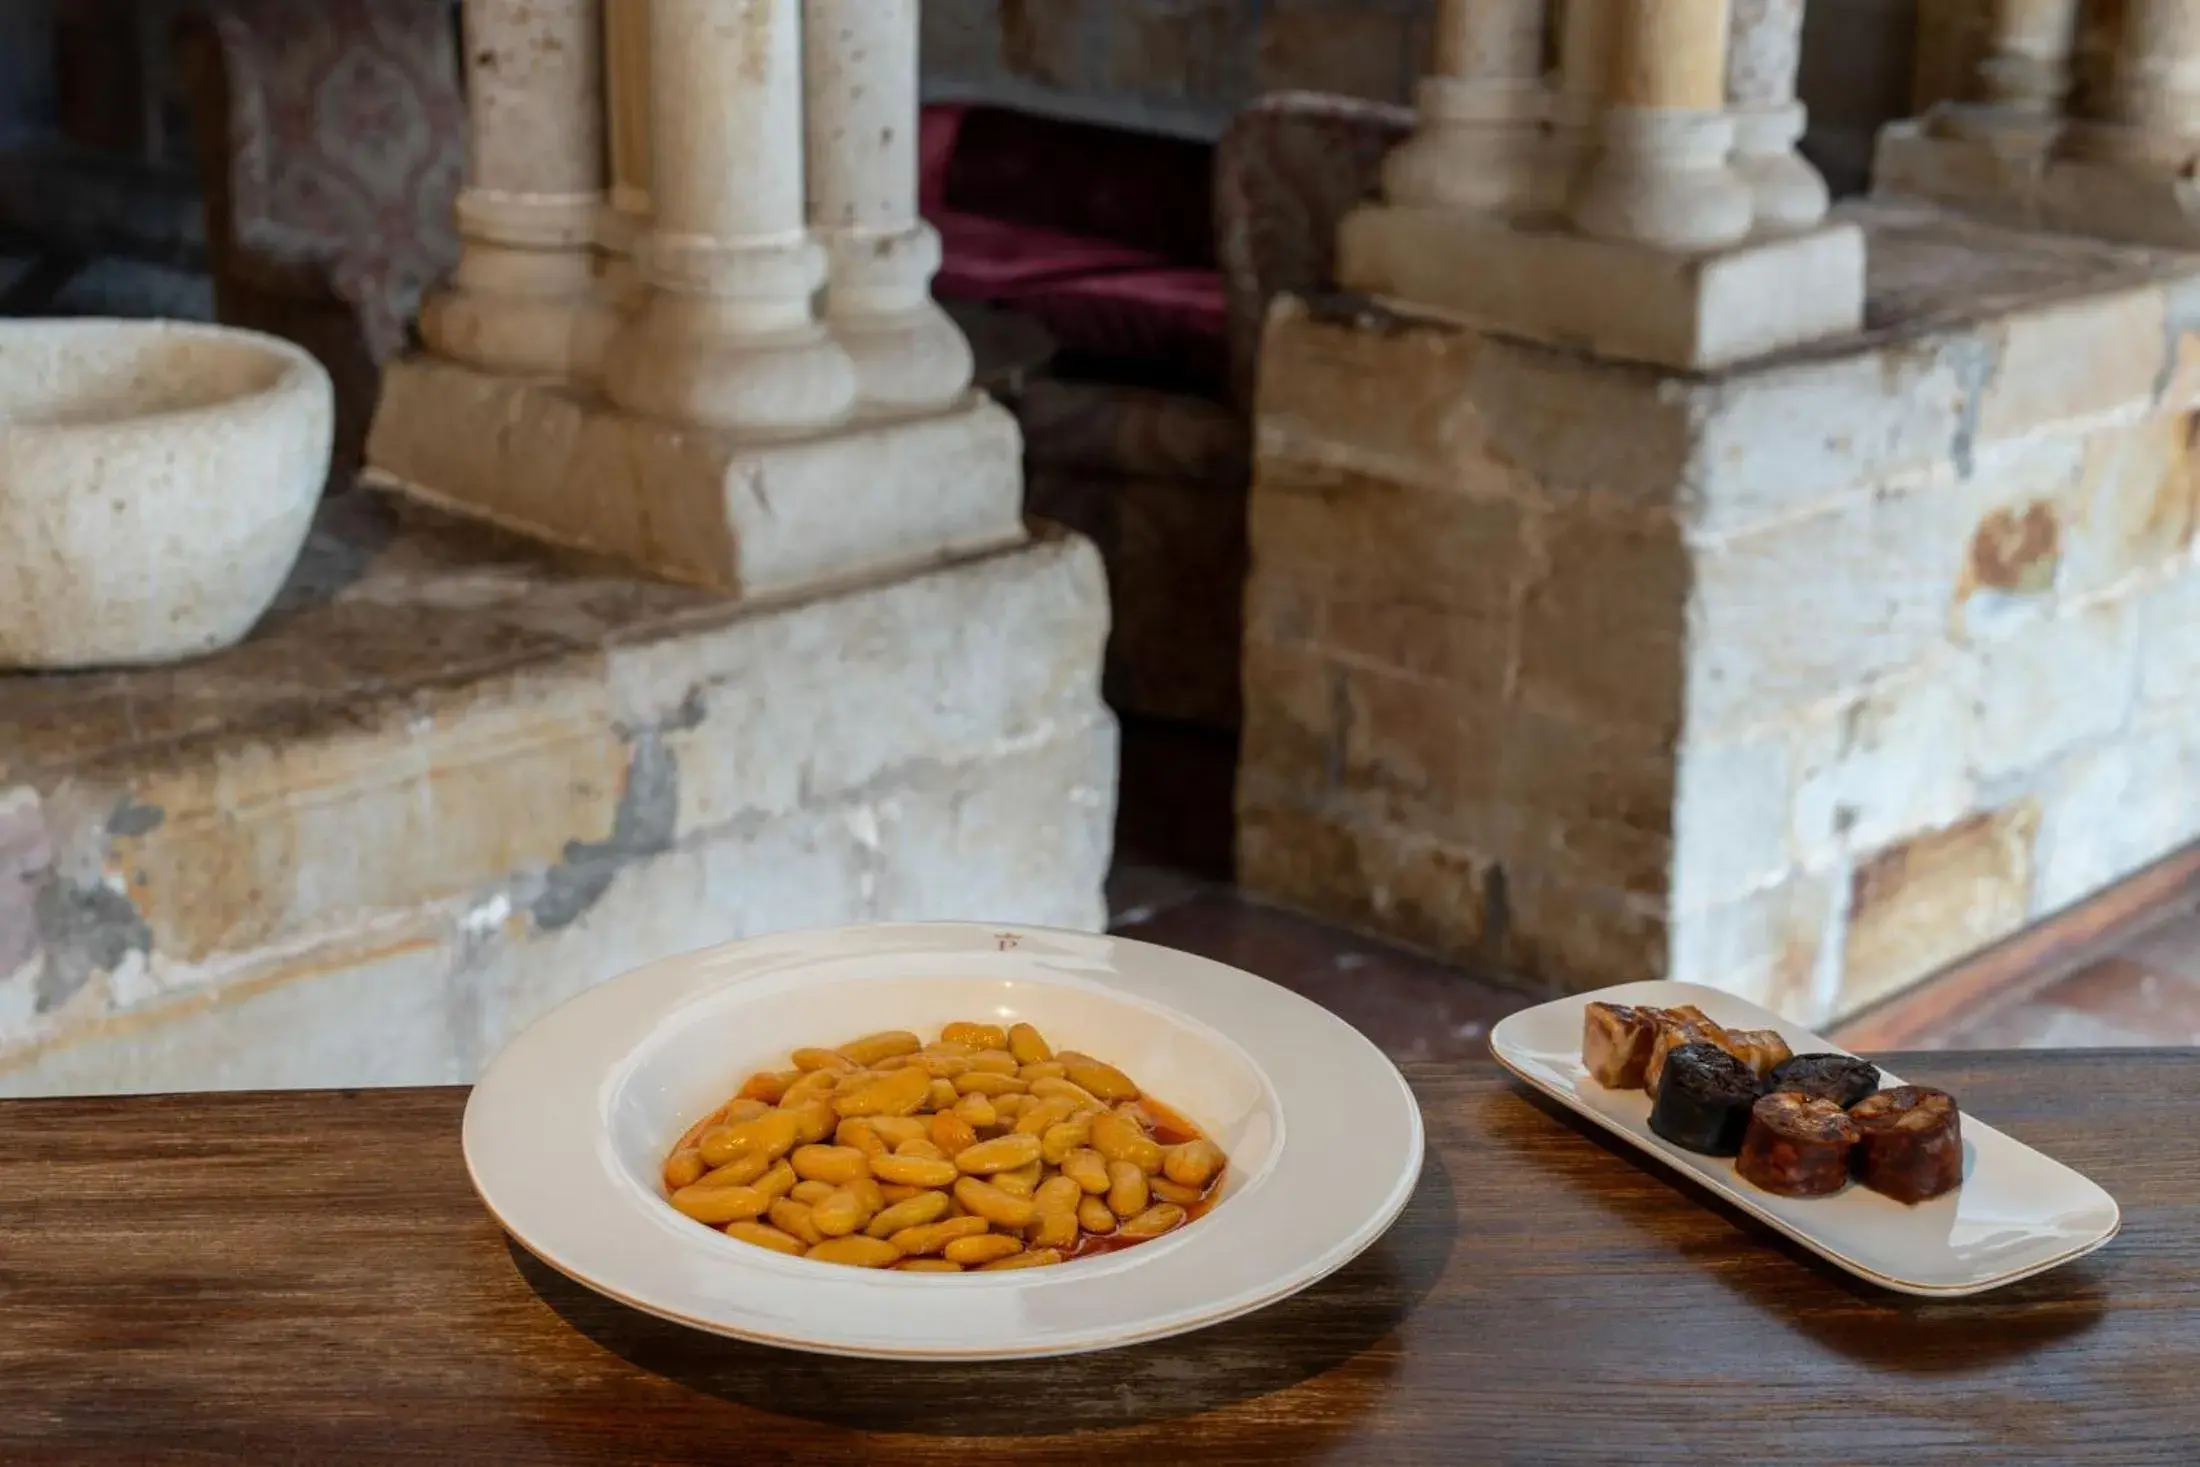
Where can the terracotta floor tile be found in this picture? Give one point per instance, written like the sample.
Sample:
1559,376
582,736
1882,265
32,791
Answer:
1138,891
2135,993
2048,1026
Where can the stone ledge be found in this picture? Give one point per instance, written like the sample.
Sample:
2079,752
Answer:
436,712
1547,283
757,519
2028,186
429,995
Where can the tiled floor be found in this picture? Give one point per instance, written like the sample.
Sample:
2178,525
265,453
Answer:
1414,1007
2145,991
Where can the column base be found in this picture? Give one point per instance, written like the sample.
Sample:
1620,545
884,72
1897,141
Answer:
906,361
1785,191
680,359
1544,282
2085,187
908,355
697,506
1478,146
530,313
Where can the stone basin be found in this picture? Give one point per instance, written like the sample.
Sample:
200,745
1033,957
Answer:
157,480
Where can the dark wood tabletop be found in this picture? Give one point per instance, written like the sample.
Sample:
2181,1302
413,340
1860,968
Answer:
308,1278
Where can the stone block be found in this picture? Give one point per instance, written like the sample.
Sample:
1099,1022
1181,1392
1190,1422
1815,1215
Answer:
1349,382
1813,607
1602,630
1919,906
1023,835
1605,436
2169,644
2111,810
1420,752
1182,52
1794,437
1411,887
1893,762
1368,537
1914,162
2131,511
2054,684
344,786
1294,717
399,1019
759,519
2073,360
1623,301
1591,805
1768,945
2015,518
1729,815
1347,50
957,665
1571,938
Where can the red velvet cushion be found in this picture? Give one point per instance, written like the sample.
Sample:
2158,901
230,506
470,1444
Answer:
990,260
939,129
1166,315
1154,194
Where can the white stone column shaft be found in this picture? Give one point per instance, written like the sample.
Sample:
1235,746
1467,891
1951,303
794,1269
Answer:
862,69
1584,62
1764,53
728,337
623,217
2153,86
524,290
2020,74
1663,178
626,111
1479,144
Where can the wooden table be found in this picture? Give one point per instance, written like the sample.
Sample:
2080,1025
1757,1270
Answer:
307,1278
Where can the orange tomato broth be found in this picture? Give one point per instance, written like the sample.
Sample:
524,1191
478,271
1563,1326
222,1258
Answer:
1170,1128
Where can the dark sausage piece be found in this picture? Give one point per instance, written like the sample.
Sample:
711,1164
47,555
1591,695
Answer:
1840,1078
1704,1100
1912,1146
1797,1146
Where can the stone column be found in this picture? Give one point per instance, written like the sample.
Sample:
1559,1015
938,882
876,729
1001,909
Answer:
727,337
861,60
1577,111
521,299
2022,72
1479,144
625,216
1764,52
1663,178
2148,107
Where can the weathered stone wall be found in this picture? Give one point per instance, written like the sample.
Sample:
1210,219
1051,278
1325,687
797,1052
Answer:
451,785
1802,681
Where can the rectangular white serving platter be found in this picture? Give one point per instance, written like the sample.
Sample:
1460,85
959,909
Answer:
2017,1213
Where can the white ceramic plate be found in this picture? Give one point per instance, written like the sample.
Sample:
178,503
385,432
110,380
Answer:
566,1133
2017,1213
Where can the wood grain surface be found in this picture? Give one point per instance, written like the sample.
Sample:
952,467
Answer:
308,1278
